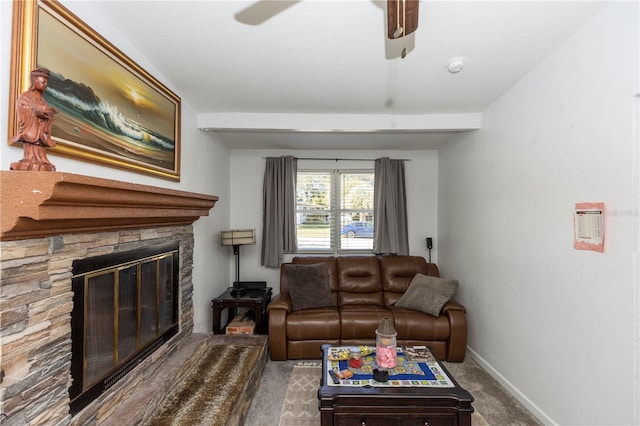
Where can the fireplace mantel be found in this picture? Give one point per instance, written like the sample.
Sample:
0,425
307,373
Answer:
40,204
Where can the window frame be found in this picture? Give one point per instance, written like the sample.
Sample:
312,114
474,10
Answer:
336,211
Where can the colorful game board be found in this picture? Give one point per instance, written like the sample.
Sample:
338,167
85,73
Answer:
406,373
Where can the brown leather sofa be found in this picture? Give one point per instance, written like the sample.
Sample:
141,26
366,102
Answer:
365,289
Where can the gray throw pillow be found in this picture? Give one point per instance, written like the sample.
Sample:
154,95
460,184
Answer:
308,285
428,294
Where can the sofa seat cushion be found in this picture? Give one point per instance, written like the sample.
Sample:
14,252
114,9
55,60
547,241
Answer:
361,321
417,325
310,324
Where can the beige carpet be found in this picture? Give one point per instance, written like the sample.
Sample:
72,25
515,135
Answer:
300,406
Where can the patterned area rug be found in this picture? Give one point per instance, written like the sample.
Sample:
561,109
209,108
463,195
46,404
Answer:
300,406
207,395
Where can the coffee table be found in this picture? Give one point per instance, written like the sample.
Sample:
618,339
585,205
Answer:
392,405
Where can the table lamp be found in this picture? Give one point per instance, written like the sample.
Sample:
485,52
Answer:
237,238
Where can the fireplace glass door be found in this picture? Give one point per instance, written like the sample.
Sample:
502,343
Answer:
121,309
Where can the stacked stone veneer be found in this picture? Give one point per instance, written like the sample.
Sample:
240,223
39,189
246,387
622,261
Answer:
35,322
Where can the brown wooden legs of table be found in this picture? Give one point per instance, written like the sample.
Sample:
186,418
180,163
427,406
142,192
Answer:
217,313
259,307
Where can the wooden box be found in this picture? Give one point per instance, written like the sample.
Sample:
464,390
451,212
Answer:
237,326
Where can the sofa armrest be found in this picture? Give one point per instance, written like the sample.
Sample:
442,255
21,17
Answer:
280,301
277,311
457,345
452,305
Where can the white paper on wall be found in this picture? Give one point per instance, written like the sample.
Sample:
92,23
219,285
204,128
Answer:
589,226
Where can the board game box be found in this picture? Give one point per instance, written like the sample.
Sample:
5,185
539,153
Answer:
425,371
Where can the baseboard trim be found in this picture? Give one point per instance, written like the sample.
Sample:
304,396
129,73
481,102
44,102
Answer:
514,391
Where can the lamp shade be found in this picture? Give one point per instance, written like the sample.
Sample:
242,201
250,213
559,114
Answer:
238,237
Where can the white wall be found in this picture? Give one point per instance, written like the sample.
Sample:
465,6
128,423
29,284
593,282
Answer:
247,173
557,325
205,163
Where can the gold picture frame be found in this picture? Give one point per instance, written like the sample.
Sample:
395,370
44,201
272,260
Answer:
111,111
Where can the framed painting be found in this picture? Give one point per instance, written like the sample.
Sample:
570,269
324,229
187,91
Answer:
111,111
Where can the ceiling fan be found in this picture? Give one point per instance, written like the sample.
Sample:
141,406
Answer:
401,18
402,15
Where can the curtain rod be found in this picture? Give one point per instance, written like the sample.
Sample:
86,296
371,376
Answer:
344,159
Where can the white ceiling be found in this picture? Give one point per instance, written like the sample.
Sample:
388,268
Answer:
325,59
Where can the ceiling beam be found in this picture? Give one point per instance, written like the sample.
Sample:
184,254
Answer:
232,121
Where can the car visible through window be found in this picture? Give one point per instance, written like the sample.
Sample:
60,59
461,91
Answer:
358,230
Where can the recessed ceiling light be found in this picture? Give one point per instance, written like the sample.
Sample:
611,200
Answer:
455,65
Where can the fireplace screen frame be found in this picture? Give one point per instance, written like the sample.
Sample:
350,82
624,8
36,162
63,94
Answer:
89,383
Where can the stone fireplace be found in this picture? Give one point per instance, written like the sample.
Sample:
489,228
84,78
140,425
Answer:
49,221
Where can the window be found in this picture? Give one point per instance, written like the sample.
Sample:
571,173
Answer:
334,210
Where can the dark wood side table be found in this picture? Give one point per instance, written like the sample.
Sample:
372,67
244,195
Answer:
255,300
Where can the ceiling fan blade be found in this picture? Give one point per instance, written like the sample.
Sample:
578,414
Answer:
263,10
402,17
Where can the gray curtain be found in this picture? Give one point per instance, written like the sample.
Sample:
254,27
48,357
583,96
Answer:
390,208
279,209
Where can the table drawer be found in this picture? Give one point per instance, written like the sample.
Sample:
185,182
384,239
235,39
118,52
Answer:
398,419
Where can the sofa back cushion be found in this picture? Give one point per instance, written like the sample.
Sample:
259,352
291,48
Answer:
397,273
371,280
359,281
